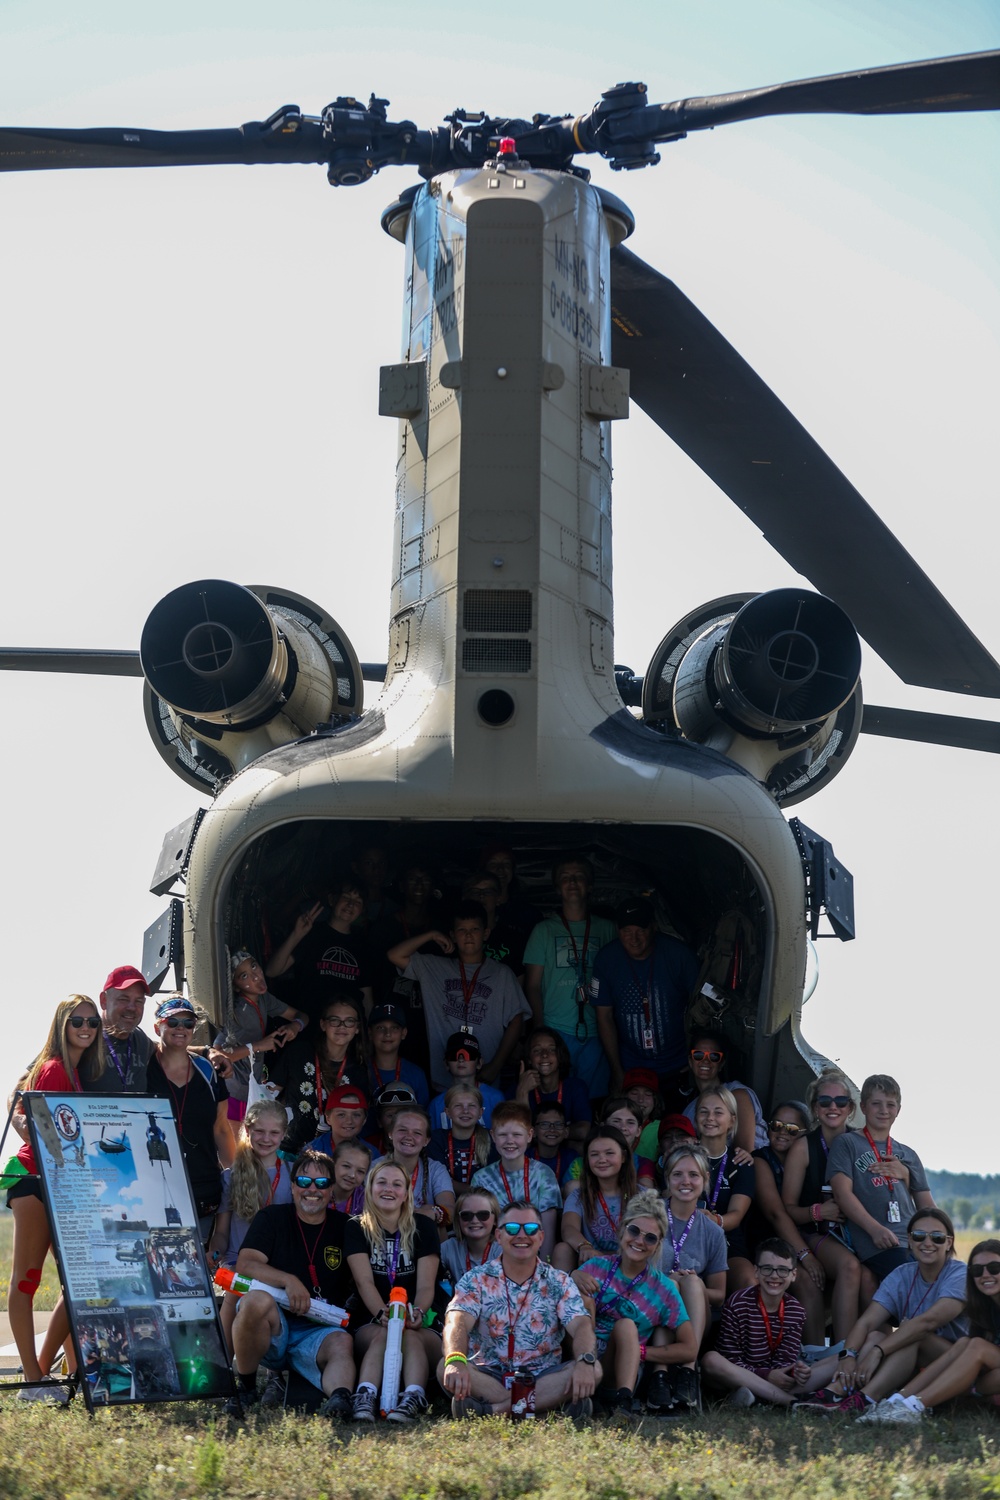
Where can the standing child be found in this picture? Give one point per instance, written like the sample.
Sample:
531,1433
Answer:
515,1179
465,1146
464,1061
387,1031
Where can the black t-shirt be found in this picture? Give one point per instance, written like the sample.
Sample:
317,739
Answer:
195,1106
326,961
291,1245
730,1179
462,1163
426,1242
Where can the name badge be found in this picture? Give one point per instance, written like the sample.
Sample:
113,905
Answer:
893,1217
648,1040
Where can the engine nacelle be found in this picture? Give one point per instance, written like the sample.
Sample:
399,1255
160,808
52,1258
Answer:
770,680
233,672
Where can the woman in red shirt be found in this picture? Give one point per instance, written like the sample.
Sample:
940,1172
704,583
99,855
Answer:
73,1050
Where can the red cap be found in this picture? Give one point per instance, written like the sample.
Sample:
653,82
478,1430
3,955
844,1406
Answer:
676,1122
641,1078
346,1097
124,977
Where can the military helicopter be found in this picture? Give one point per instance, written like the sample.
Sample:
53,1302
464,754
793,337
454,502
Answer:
528,326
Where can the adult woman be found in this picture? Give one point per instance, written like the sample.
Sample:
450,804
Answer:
252,1010
593,1211
972,1362
200,1105
706,1064
545,1078
389,1246
477,1214
431,1187
694,1247
310,1068
731,1187
73,1054
811,1206
768,1216
630,1300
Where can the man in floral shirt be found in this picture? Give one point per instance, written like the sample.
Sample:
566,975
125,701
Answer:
519,1309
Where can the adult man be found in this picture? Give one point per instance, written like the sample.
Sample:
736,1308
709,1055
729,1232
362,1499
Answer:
464,992
519,1308
558,967
299,1248
640,989
128,1047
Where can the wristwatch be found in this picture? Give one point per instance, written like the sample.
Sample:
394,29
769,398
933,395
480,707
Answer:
587,1359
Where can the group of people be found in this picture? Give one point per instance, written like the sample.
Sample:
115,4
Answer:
506,1116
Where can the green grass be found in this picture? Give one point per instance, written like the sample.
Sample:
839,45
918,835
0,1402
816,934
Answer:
167,1453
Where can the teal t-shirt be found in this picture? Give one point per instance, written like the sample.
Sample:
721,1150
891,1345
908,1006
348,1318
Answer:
565,965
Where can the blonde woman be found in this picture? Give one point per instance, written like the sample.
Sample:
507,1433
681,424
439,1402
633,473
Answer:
73,1054
390,1246
731,1186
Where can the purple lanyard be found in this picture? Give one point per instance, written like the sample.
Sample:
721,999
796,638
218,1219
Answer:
679,1244
718,1180
615,1268
392,1257
114,1058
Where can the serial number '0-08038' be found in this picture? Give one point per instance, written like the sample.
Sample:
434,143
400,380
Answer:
573,317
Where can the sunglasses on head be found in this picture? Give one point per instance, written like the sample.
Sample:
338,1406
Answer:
532,1227
829,1101
985,1268
304,1181
474,1215
186,1023
77,1022
781,1128
699,1054
936,1236
641,1234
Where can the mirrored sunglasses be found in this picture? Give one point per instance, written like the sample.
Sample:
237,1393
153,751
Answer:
780,1127
303,1180
514,1229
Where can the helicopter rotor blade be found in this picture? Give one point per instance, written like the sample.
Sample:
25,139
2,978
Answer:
285,137
932,729
90,663
705,396
936,85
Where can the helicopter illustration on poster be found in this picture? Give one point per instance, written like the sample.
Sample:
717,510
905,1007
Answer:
530,326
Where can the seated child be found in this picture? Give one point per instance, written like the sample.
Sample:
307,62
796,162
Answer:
465,1145
515,1179
550,1145
464,1061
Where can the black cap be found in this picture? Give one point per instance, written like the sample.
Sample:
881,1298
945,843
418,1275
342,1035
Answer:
389,1012
461,1044
634,911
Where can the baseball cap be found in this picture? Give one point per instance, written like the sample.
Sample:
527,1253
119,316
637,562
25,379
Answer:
641,1078
462,1044
634,911
346,1097
174,1005
676,1122
125,976
388,1012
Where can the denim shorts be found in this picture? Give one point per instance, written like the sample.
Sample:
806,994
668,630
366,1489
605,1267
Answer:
296,1345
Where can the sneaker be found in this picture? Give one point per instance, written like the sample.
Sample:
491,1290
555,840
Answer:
47,1392
338,1405
659,1395
469,1406
899,1411
273,1393
237,1406
579,1411
685,1385
854,1405
821,1400
364,1404
409,1408
741,1398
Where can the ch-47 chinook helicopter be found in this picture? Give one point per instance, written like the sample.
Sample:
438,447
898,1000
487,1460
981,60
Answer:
528,327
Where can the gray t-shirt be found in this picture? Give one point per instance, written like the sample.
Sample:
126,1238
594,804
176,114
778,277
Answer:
703,1249
249,1025
495,1001
126,1069
904,1293
852,1155
453,1266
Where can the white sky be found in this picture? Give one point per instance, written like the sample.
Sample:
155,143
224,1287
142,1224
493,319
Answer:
188,389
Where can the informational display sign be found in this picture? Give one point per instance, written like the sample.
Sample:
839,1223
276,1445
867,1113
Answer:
125,1233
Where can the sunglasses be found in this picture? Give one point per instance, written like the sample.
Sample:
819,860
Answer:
936,1236
77,1022
641,1234
829,1101
513,1229
475,1215
698,1054
303,1181
776,1273
186,1023
781,1128
985,1268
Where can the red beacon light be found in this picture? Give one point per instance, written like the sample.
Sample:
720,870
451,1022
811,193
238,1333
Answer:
507,147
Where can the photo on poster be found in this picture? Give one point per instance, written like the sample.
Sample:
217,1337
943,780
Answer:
125,1234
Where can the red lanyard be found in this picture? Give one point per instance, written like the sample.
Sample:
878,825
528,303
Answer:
274,1184
257,1012
468,986
311,1253
607,1212
538,1095
320,1102
377,1072
773,1344
469,1161
509,1191
512,1317
890,1185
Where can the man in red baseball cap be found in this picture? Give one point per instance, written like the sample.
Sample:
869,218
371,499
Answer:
128,1047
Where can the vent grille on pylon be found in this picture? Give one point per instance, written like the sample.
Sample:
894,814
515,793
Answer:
492,655
494,611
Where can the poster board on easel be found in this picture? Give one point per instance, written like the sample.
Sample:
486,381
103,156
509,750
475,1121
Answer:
138,1292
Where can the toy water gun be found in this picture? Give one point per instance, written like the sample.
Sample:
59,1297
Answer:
392,1362
319,1311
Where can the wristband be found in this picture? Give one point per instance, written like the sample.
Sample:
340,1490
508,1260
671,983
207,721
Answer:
802,1255
455,1359
880,1349
817,1212
300,1023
